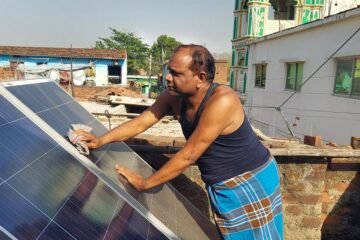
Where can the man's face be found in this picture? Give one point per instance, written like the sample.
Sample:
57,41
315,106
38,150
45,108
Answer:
180,79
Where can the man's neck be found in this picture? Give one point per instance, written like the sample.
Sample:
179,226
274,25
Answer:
195,100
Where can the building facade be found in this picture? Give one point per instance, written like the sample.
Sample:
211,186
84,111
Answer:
312,74
102,66
258,18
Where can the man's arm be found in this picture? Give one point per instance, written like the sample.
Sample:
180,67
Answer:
216,117
133,127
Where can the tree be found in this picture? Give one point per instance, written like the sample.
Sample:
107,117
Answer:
161,51
137,51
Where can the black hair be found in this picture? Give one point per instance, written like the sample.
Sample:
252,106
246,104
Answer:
202,60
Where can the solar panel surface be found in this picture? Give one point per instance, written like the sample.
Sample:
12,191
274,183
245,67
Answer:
59,110
45,193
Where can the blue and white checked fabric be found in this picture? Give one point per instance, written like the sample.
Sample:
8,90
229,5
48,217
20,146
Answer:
249,206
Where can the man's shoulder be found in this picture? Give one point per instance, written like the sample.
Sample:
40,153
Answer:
224,98
225,93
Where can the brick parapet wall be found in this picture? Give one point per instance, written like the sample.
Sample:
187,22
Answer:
302,184
85,93
90,93
341,199
321,196
6,74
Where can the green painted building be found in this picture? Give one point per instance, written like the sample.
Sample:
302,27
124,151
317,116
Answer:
258,18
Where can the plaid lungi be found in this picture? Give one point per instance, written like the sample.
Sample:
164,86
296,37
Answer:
249,206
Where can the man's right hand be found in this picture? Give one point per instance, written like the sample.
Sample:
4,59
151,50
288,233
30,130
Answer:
91,140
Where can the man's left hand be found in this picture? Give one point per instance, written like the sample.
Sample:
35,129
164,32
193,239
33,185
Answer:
132,177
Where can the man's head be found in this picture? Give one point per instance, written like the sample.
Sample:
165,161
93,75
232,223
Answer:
190,68
202,60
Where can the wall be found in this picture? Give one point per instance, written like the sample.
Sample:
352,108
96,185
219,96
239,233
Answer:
321,196
6,73
89,93
341,200
101,66
86,93
222,71
315,110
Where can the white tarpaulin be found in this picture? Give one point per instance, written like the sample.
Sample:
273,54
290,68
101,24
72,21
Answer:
58,72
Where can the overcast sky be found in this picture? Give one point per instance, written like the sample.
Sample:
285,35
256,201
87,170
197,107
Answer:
49,23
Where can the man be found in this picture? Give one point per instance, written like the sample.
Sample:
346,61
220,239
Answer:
241,176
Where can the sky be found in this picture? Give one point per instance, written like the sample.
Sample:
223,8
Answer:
49,23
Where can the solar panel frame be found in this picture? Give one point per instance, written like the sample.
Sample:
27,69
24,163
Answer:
86,162
166,193
6,235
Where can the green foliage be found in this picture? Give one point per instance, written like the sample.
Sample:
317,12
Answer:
137,51
161,51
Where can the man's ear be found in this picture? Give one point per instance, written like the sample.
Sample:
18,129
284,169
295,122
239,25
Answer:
202,76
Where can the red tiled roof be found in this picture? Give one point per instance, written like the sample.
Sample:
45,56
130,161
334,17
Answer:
63,52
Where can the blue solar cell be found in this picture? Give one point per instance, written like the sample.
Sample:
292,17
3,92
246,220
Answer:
9,163
23,94
25,140
18,216
40,192
7,112
55,232
55,192
42,95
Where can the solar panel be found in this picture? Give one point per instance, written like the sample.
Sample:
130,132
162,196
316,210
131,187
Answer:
45,193
59,110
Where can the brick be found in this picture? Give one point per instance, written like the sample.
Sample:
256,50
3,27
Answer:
293,210
326,208
341,187
326,198
317,176
295,187
312,140
326,187
355,142
311,222
319,166
310,199
292,177
289,198
312,210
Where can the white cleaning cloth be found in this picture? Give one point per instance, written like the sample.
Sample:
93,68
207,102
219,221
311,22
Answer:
75,139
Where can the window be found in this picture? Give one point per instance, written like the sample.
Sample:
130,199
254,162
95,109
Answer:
114,74
240,59
347,81
294,76
260,75
282,9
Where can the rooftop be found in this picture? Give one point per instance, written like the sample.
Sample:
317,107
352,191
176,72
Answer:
63,52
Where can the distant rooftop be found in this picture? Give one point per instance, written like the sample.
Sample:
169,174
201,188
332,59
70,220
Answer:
63,52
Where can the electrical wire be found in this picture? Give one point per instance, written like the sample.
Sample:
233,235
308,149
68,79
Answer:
330,57
303,109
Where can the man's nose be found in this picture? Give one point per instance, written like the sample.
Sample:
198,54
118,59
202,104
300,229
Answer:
168,77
